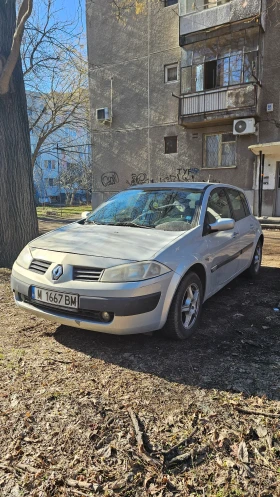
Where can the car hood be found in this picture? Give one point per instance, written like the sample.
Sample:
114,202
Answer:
115,242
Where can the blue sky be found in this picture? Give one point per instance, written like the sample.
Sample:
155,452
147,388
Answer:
72,9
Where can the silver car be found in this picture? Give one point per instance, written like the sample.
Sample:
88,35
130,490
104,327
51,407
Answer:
144,260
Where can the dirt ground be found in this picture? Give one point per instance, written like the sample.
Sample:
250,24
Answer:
85,414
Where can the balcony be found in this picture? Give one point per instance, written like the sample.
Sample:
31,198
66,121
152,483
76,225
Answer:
201,15
218,106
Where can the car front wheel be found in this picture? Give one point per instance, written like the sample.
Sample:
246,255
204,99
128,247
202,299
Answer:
185,310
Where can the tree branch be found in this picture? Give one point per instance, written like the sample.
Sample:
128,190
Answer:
5,77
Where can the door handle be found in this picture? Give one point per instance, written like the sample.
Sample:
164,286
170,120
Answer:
252,227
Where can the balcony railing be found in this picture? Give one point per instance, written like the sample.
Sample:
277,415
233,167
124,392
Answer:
227,99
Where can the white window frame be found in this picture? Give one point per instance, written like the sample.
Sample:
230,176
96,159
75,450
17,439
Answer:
171,66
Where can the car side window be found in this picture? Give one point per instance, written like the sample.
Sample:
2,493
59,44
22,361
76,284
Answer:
217,207
237,204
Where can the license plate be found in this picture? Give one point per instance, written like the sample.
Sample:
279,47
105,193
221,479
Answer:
55,298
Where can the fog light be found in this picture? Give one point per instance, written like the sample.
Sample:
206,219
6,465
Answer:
106,316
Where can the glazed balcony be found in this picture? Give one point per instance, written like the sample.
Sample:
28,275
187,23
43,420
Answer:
200,15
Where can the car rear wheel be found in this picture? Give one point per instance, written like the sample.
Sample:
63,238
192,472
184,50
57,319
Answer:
185,310
254,270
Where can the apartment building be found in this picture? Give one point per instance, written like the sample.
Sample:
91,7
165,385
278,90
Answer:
184,91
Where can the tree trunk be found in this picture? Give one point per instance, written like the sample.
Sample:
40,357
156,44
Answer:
18,220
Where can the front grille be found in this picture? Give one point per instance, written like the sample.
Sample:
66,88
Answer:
38,266
86,273
62,311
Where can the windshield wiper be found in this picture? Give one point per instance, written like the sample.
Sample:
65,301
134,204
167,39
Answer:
133,225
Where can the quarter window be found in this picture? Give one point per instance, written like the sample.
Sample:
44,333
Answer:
171,144
218,206
219,150
237,204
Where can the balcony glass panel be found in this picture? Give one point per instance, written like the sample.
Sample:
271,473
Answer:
220,62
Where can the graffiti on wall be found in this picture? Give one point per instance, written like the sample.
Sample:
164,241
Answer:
181,175
138,179
110,178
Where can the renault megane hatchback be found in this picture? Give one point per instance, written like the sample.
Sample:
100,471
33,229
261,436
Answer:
144,260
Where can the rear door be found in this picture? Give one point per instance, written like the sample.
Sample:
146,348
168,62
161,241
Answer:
222,246
246,226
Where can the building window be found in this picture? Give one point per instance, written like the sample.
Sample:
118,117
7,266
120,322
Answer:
50,181
219,150
220,62
171,144
167,3
49,164
171,73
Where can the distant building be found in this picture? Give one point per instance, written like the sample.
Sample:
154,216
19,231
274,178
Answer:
70,144
187,90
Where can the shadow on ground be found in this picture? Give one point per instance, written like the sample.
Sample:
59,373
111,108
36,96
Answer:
237,347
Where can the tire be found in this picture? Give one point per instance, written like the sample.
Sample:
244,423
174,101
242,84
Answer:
180,324
253,271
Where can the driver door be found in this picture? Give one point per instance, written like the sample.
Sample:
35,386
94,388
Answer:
222,246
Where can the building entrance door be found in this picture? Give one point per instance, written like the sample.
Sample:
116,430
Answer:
277,206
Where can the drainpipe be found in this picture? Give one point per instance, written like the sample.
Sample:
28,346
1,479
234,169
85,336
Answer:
261,174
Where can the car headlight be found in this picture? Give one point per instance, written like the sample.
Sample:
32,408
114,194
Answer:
137,271
25,258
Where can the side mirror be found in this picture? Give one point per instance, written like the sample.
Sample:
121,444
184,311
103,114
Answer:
222,225
85,214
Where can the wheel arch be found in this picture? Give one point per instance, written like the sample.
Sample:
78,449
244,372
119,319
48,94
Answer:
198,269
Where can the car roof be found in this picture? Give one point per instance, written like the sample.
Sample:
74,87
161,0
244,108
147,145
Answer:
174,184
200,186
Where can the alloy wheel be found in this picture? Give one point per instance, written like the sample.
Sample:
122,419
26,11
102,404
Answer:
257,258
190,306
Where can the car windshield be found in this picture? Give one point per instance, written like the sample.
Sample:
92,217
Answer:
165,209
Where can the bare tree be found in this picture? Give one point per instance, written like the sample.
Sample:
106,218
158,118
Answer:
18,220
65,106
74,177
56,77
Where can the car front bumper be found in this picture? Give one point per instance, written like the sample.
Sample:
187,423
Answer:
135,307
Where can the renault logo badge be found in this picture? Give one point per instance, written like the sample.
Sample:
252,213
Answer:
57,272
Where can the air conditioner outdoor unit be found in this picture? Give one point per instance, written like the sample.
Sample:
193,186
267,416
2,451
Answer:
244,126
103,115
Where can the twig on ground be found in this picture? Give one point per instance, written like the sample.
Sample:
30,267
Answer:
7,468
140,442
256,412
82,484
187,455
183,442
27,467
